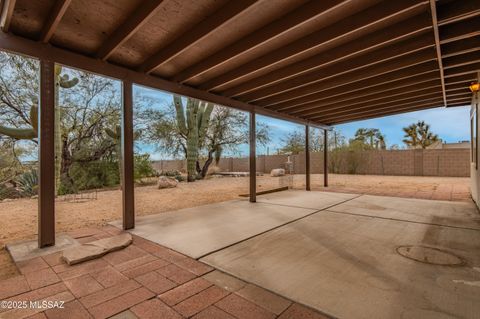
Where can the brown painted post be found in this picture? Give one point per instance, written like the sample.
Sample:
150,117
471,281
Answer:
128,202
307,158
46,195
325,158
253,160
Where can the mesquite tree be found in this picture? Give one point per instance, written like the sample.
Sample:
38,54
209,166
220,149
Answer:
31,133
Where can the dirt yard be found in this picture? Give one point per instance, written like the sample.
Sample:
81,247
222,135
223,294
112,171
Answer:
18,218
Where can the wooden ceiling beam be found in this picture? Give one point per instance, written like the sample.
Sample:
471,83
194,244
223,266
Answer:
53,19
141,15
461,78
381,56
345,108
460,47
414,104
351,50
461,70
403,77
315,107
368,26
195,34
401,99
460,60
354,76
20,45
390,113
455,11
437,101
312,10
353,100
6,14
460,30
433,12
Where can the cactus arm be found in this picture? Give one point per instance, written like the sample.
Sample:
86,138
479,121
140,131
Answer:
111,133
34,117
180,113
18,133
205,120
66,83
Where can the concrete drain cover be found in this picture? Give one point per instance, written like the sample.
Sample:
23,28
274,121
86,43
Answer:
429,255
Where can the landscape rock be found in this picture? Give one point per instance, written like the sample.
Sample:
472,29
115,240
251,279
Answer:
276,172
95,249
166,182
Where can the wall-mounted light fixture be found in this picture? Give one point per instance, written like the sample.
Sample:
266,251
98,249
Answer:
474,87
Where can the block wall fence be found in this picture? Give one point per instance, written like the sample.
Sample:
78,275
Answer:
435,162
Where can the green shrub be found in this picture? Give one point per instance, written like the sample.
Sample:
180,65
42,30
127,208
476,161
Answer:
172,173
143,167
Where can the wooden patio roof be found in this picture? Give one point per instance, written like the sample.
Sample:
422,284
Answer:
315,62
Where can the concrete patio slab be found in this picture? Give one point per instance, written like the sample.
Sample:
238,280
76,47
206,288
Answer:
29,249
347,266
447,213
199,231
312,200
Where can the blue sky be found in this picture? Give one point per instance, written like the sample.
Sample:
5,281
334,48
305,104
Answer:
451,124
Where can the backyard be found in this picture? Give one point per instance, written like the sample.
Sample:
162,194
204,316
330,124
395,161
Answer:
19,217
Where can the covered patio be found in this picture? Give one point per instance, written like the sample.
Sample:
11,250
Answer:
347,256
311,254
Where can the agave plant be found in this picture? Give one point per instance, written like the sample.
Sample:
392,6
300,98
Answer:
28,183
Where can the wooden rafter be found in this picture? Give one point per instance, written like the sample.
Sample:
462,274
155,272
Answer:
403,77
192,36
272,97
141,15
311,10
6,14
345,58
360,29
54,18
433,11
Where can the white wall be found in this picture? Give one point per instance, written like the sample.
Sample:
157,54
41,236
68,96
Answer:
475,166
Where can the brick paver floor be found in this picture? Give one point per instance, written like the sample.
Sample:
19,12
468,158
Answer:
144,280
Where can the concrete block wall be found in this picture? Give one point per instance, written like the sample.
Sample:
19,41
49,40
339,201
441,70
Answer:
435,162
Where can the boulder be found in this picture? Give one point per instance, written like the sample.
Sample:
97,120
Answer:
166,182
276,172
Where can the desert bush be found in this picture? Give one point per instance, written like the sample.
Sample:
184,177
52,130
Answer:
92,175
143,167
180,178
171,173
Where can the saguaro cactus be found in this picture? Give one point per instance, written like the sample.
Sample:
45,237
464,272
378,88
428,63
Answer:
30,133
194,126
116,136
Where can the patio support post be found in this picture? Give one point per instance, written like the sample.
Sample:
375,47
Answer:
307,157
46,121
325,158
128,203
253,159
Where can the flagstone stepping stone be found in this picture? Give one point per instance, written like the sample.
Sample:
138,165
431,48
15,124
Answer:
96,249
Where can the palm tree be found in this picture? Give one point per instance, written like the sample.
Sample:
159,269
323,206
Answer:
418,135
